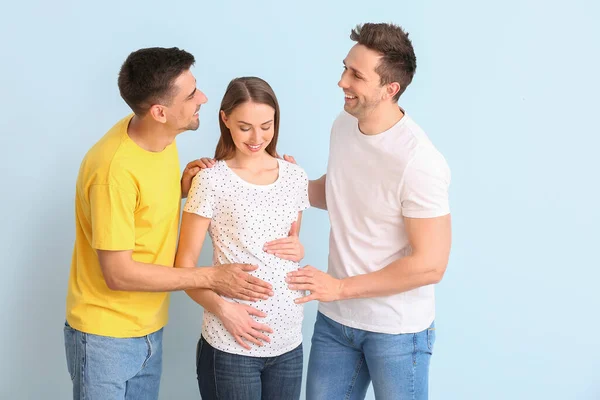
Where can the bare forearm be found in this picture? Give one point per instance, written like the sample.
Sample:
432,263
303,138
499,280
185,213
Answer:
208,299
142,277
400,276
316,193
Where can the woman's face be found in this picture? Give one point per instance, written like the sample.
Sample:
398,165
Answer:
251,126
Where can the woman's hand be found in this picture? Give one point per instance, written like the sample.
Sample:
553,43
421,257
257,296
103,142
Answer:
237,320
288,248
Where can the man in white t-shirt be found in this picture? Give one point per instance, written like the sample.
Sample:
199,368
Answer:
386,190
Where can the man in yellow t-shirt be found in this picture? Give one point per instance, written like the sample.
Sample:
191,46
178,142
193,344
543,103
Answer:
127,206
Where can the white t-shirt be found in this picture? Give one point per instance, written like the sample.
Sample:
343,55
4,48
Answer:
372,182
244,217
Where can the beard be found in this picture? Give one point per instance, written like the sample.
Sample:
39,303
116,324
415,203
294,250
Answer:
362,109
193,125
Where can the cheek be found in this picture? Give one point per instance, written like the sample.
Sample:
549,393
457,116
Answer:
238,135
268,135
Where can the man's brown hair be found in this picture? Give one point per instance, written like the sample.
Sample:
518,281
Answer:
398,62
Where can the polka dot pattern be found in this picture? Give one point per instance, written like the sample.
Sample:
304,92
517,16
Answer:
244,217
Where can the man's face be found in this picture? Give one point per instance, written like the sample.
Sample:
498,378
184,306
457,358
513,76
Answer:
183,112
360,83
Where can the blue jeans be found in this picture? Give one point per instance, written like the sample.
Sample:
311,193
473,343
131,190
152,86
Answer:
344,360
103,367
228,376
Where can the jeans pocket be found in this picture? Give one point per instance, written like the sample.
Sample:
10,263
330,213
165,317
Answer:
430,338
71,349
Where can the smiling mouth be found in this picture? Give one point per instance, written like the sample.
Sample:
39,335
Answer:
349,97
254,147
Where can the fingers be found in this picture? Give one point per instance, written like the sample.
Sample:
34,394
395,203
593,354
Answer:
299,276
258,291
201,163
190,172
286,248
262,327
241,342
208,162
306,299
300,279
253,335
253,311
241,296
289,158
247,267
282,240
302,286
259,335
294,229
262,285
253,295
251,339
304,271
281,246
289,255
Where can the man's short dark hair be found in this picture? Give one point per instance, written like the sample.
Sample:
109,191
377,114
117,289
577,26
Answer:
398,62
147,76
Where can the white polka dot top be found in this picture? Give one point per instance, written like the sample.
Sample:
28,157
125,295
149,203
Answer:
244,217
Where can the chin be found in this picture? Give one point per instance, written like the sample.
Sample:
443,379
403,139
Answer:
193,126
351,111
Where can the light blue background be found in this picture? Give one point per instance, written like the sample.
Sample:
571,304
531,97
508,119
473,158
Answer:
508,91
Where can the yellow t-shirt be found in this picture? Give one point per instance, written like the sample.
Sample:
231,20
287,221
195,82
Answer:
127,198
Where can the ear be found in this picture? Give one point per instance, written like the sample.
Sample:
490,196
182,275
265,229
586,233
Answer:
391,90
159,114
224,118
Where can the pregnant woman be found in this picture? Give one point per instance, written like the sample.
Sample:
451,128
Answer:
251,204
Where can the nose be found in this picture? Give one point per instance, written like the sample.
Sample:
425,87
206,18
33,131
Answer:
201,97
342,83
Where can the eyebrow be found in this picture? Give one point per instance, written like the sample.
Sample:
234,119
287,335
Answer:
353,69
247,123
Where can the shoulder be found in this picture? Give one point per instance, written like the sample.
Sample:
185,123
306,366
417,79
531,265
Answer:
424,151
293,170
210,175
427,163
106,161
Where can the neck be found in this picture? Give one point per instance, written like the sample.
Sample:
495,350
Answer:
380,119
149,134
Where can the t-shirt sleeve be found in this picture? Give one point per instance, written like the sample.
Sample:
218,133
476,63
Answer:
425,186
112,217
201,197
303,201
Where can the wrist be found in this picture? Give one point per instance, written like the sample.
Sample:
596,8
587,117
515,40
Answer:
220,307
207,277
341,292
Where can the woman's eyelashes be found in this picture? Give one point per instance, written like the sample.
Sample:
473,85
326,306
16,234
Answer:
245,128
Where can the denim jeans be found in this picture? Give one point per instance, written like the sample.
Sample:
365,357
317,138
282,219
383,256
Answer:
107,368
344,360
228,376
